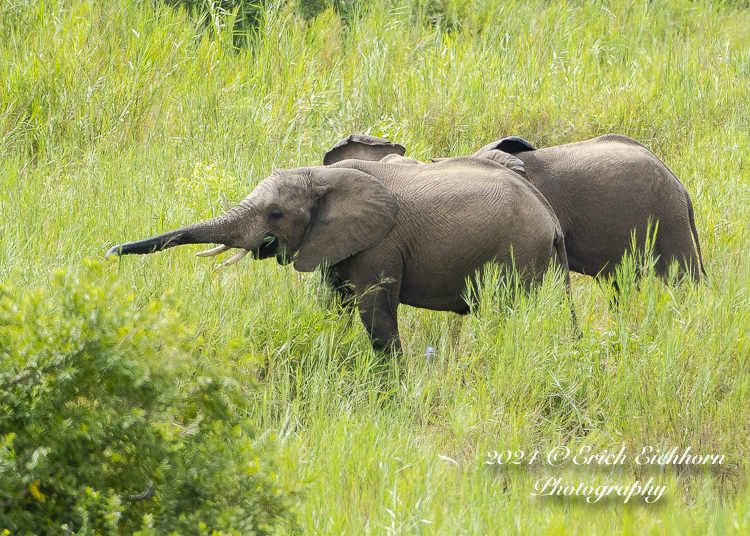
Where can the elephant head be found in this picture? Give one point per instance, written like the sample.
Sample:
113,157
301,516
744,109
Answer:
362,147
310,216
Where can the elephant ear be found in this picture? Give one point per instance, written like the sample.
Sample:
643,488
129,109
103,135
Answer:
510,145
362,147
353,212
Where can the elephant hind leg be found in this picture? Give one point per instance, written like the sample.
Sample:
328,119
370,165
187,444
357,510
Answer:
677,247
687,267
677,241
611,289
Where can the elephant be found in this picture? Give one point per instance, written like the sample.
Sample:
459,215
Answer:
388,234
602,190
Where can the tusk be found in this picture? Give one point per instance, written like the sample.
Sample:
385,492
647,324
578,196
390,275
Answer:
212,252
237,256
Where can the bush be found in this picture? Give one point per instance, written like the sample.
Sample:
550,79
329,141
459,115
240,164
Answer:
239,16
108,424
347,10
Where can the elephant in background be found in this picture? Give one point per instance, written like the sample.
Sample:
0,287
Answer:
388,233
602,190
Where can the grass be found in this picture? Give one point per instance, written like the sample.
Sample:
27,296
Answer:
119,120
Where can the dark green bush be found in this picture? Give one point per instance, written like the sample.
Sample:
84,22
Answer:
346,9
217,15
110,425
242,17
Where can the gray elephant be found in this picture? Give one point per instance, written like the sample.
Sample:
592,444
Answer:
388,233
602,190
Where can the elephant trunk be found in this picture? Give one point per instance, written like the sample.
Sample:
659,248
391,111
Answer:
219,230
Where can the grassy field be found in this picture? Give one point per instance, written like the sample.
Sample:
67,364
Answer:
119,120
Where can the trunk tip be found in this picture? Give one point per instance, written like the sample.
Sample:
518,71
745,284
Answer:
115,250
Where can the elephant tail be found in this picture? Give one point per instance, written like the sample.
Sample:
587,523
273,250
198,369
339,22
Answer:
562,258
691,217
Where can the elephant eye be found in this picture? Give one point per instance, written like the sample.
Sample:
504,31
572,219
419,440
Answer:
275,214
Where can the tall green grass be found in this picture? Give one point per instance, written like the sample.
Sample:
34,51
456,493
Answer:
119,120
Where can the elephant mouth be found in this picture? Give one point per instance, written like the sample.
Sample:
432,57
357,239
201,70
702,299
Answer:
269,248
284,258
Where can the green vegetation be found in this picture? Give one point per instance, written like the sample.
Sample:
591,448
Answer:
109,425
119,120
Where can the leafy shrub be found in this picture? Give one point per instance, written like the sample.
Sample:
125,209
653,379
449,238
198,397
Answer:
108,425
244,14
311,8
346,9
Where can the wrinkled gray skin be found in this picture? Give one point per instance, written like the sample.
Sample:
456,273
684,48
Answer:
389,233
601,191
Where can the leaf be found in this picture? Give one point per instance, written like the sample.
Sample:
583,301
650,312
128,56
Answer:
34,490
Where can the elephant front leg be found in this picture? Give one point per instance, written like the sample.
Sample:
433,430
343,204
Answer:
334,293
377,293
379,315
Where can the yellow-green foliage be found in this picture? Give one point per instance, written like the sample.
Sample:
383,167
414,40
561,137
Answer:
204,191
104,106
108,426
